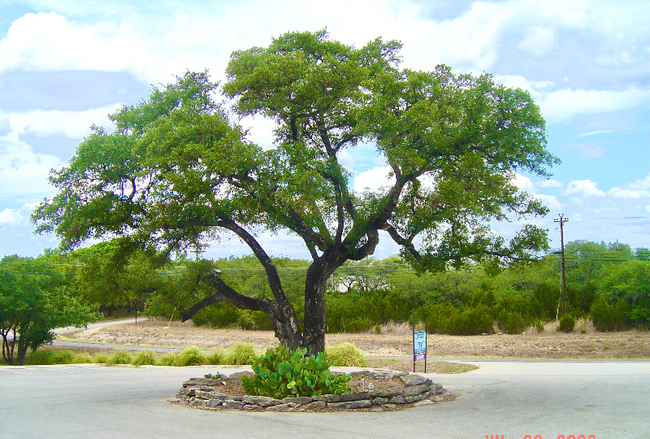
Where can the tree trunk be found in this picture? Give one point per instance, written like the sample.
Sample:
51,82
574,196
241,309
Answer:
286,327
22,352
315,286
314,333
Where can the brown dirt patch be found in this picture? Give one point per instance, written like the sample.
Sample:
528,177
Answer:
389,345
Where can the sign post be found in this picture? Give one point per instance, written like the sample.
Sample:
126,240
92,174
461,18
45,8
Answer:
419,345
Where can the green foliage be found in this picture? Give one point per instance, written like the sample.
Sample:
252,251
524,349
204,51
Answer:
145,358
511,322
45,357
609,317
191,356
280,373
101,358
216,357
114,276
567,323
168,359
84,357
241,353
34,299
345,354
120,357
469,321
226,315
538,325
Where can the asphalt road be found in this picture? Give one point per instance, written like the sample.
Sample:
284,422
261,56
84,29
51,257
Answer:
514,399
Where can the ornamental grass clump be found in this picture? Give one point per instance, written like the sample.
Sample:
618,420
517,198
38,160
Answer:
120,357
281,373
241,353
191,356
145,358
346,354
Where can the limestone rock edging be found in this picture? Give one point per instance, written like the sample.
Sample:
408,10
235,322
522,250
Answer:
202,393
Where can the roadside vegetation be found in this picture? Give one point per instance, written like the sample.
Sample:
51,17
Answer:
240,353
608,287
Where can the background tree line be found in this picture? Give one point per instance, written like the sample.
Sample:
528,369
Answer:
608,283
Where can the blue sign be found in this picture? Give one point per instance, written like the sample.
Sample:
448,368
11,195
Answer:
420,346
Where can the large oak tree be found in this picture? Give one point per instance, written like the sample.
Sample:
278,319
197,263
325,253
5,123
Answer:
175,170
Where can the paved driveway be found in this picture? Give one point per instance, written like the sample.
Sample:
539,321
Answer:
606,400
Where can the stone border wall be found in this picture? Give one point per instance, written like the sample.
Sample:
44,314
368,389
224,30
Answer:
202,393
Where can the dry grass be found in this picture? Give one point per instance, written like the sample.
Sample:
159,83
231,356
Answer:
394,341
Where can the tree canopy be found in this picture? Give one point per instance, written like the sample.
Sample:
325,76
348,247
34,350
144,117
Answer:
175,170
34,299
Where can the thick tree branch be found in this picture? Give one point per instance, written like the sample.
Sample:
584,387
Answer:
227,294
406,243
304,231
260,254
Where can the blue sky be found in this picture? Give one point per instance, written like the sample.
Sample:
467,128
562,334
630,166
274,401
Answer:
64,65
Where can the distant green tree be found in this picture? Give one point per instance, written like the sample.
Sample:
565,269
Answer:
34,299
629,281
108,278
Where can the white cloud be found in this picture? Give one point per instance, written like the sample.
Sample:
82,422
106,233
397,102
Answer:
562,105
523,183
22,172
260,130
550,201
47,41
10,217
536,88
636,190
585,188
45,123
550,184
150,48
373,179
538,42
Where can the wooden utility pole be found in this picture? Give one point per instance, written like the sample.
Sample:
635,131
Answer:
562,220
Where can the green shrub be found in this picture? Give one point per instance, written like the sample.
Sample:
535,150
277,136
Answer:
216,357
101,358
608,317
280,373
83,357
64,357
168,359
191,356
42,357
120,357
241,353
469,321
346,354
511,322
538,325
567,323
640,316
358,324
220,315
145,358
